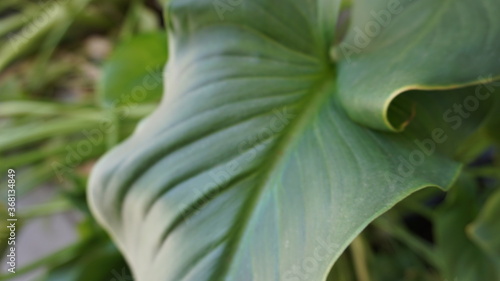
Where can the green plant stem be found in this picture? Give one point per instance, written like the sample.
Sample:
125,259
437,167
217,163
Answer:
359,259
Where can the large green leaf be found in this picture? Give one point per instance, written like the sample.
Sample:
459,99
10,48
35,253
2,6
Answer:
425,44
250,169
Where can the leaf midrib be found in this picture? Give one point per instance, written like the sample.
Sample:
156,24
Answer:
318,94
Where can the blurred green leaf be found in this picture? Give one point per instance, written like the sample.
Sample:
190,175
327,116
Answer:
35,32
59,257
493,123
36,131
133,74
99,262
413,242
14,108
459,255
55,205
4,231
400,263
485,230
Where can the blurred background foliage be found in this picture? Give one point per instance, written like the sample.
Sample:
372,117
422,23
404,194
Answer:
77,76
